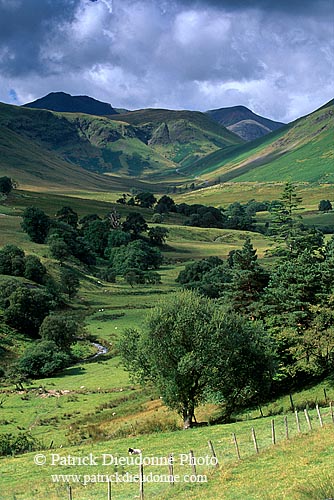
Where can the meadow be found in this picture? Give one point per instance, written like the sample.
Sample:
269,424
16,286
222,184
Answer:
94,407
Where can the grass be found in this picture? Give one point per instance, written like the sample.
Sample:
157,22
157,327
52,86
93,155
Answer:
302,151
224,194
286,470
95,407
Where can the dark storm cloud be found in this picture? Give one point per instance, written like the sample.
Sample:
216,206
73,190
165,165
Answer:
301,6
275,57
24,25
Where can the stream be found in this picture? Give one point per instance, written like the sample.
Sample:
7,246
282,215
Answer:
101,349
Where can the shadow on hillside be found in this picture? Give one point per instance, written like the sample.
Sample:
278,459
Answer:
75,370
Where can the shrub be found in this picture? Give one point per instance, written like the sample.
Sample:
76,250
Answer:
42,359
14,445
34,269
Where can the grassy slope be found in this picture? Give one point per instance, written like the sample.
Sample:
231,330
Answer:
100,388
301,151
191,134
46,143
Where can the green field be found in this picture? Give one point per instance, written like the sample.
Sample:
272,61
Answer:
94,407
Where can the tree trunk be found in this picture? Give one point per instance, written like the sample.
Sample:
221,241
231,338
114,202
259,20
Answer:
188,415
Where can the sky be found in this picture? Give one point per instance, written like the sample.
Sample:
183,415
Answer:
274,56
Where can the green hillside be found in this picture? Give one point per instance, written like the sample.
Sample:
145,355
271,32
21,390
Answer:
181,136
93,143
301,151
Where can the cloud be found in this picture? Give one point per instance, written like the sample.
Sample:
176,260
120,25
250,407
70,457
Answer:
274,57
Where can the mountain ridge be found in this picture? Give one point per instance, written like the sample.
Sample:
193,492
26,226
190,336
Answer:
67,103
244,122
300,151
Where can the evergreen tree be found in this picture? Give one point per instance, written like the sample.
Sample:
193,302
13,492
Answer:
248,279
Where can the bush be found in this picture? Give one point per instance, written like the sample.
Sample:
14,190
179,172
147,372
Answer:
59,329
42,359
36,224
15,445
136,255
34,269
26,308
12,260
107,274
6,185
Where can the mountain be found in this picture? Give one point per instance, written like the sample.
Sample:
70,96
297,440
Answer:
301,151
144,143
59,101
243,122
180,136
45,150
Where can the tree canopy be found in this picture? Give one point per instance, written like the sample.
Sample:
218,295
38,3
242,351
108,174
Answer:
190,350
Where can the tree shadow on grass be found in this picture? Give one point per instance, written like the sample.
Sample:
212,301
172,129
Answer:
74,370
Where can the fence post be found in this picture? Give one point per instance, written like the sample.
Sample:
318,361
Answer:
70,493
291,403
141,481
213,453
286,427
308,419
325,394
254,440
109,490
331,410
319,416
236,445
297,421
273,437
193,462
171,469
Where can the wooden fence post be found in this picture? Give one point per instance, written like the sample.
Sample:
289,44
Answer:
286,427
193,462
331,410
236,445
141,481
273,437
291,403
308,419
325,394
254,440
109,490
70,493
171,469
297,421
213,453
319,416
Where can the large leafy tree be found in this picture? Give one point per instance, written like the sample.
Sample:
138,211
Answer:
61,330
12,260
325,206
6,185
96,235
36,224
26,308
69,282
239,357
191,350
68,215
168,352
42,359
136,255
135,224
145,200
